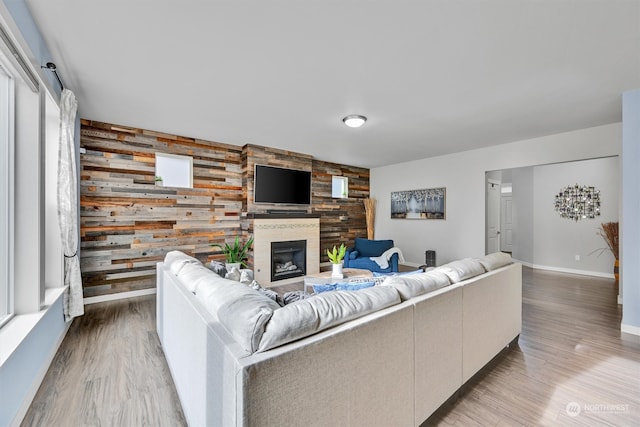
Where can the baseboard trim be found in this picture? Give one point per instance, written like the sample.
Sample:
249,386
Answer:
119,295
630,329
567,270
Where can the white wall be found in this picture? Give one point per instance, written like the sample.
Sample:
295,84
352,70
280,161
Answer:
522,202
556,240
462,234
630,234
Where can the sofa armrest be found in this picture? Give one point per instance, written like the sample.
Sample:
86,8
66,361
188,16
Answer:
347,256
393,263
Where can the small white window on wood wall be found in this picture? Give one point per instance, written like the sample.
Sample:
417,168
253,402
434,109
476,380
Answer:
339,187
173,170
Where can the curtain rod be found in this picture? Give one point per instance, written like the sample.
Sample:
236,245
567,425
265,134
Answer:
52,67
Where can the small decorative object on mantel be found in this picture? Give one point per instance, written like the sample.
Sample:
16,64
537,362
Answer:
429,203
578,202
335,256
158,180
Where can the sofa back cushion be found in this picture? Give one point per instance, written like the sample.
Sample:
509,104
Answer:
369,248
176,260
243,311
190,275
306,317
462,269
495,260
412,285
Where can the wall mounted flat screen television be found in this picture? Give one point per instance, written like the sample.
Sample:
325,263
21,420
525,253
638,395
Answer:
281,186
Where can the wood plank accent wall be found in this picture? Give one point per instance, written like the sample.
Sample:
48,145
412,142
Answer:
127,223
341,220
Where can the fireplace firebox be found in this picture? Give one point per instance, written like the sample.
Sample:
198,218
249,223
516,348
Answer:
288,259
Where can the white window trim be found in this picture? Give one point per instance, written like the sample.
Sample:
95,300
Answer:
174,170
7,141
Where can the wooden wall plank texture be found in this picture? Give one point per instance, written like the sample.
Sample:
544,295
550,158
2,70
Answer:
127,223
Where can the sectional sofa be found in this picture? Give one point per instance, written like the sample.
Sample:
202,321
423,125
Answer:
386,355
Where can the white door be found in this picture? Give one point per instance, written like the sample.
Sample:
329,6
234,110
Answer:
493,216
506,224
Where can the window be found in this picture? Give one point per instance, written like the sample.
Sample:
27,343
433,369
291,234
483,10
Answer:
174,171
6,194
339,187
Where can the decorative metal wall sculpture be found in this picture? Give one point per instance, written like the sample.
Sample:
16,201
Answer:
578,202
419,204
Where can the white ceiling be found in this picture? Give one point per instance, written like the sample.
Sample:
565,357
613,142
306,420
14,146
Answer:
433,77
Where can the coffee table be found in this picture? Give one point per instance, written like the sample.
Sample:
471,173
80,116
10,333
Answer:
325,277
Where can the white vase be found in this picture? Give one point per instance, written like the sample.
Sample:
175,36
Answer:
336,272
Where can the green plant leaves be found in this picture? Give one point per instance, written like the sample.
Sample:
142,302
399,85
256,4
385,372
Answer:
236,252
336,255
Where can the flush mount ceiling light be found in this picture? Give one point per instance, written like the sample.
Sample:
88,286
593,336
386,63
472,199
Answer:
354,120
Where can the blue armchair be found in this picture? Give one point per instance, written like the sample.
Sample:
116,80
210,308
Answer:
358,255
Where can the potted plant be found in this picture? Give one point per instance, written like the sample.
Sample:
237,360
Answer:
158,180
335,256
609,232
235,254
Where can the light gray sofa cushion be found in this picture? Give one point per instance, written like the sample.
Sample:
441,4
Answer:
192,274
462,269
495,260
176,260
410,286
306,317
243,311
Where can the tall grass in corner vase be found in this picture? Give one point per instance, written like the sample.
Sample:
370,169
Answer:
370,216
609,232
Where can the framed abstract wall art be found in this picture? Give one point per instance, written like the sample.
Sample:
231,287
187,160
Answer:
429,203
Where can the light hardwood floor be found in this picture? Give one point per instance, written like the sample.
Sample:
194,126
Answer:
570,355
110,370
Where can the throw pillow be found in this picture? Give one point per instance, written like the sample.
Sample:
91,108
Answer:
218,268
246,276
294,296
234,274
353,254
347,286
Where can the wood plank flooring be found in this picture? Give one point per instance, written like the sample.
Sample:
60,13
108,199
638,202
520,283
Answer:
570,366
110,370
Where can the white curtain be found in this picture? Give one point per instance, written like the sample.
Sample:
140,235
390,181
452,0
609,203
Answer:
68,206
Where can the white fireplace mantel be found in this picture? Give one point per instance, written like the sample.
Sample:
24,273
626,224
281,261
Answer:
267,230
